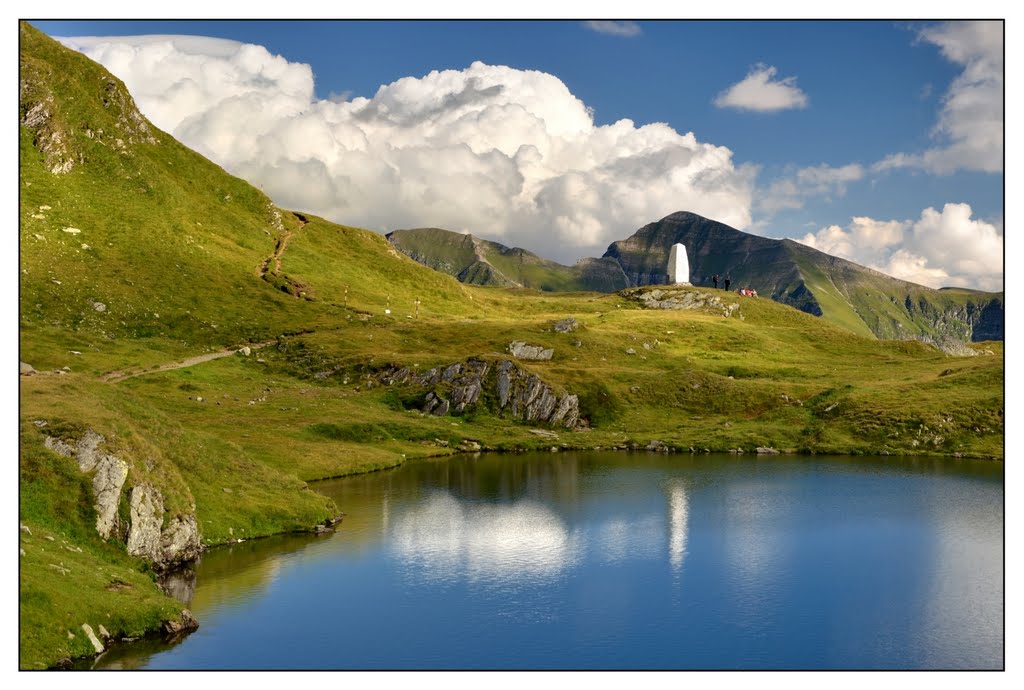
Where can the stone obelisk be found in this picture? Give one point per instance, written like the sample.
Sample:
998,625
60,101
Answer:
678,266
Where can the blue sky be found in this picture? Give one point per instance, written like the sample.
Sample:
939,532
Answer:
853,136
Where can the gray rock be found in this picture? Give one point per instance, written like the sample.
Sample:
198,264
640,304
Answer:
630,351
147,515
104,635
766,451
521,393
520,350
185,623
567,325
26,369
99,306
110,476
87,451
178,543
96,644
679,299
245,351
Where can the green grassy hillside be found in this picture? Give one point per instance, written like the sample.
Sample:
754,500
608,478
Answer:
176,263
482,262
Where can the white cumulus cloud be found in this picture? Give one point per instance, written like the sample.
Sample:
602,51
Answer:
939,249
791,190
626,29
505,153
969,131
760,92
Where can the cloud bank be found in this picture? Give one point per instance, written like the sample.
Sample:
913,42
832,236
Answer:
970,125
626,29
758,92
940,249
509,154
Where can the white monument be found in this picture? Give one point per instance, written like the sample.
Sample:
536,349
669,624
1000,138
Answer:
678,266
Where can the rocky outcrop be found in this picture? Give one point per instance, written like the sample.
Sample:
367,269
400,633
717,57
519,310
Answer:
504,386
684,298
530,399
950,346
165,548
146,537
110,475
520,350
184,624
566,325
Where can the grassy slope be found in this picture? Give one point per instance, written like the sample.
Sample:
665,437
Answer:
452,253
174,248
867,302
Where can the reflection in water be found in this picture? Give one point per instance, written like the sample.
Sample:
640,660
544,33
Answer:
966,589
752,511
678,517
446,539
630,537
180,584
560,561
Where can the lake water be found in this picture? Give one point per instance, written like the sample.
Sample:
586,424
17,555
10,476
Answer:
597,560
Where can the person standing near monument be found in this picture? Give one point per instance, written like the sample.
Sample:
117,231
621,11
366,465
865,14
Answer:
727,281
714,279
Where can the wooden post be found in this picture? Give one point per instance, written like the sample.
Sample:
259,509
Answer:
417,303
346,296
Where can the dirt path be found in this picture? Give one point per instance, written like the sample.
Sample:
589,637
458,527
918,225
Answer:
279,249
116,376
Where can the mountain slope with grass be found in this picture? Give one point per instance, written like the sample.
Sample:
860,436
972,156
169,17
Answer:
857,298
193,356
847,294
482,262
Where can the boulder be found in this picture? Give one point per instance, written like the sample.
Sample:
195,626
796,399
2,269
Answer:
520,350
566,325
96,644
185,623
26,369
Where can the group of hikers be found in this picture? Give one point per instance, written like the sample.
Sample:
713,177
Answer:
746,292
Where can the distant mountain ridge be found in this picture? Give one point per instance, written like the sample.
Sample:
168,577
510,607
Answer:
858,298
481,262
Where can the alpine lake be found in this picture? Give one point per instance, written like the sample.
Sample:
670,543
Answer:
612,560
